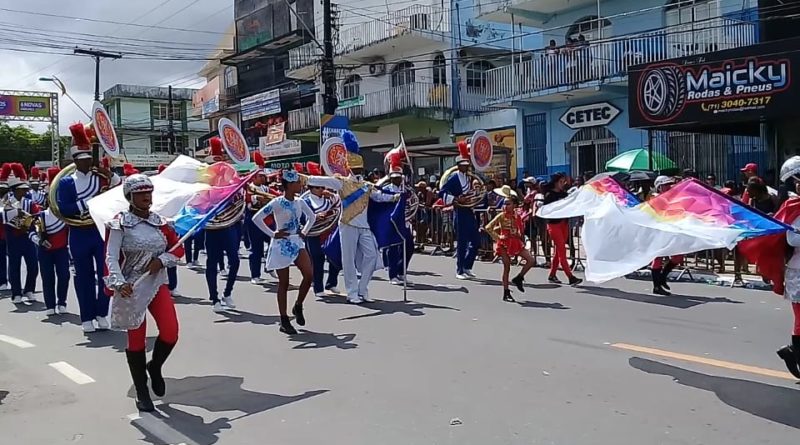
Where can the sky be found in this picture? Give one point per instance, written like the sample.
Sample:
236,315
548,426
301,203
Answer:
139,34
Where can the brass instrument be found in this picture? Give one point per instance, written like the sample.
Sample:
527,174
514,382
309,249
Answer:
23,221
52,197
232,214
325,223
412,200
258,192
474,197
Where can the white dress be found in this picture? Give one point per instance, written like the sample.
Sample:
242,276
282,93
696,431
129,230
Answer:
284,251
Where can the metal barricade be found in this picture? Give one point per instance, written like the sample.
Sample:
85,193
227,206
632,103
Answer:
486,247
442,232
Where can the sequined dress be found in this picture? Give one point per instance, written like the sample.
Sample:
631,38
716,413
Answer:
507,229
131,243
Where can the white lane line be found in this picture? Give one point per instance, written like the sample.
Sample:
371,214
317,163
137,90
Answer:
72,373
155,425
16,342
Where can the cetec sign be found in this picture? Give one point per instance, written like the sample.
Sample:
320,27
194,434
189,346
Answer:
594,115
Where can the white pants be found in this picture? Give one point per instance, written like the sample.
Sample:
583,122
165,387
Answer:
359,252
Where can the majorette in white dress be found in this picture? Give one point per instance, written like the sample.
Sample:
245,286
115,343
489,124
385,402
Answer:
283,252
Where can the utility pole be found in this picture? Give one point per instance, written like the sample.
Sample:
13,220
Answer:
329,100
171,128
97,56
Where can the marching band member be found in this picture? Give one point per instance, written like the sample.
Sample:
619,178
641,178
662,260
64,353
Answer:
507,229
85,243
50,234
137,244
315,197
661,269
288,246
37,195
255,202
3,251
221,243
468,238
359,246
18,245
394,254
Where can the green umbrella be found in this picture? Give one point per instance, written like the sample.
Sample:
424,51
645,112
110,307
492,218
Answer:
639,159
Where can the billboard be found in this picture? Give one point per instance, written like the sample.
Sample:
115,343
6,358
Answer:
262,104
737,85
24,106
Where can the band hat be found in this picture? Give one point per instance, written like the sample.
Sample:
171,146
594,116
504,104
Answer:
506,192
396,172
314,181
463,157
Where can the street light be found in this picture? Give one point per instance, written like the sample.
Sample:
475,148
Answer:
57,82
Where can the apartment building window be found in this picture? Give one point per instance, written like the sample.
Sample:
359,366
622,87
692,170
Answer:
680,11
439,70
160,144
691,28
160,111
403,74
590,28
476,74
230,77
351,87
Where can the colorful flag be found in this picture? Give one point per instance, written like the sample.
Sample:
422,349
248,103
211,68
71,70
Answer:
584,199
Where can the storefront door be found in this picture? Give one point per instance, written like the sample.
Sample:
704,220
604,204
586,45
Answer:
590,149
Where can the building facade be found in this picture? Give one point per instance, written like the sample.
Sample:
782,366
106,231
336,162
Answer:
572,92
142,118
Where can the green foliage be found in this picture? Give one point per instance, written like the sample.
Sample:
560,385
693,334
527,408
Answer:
21,144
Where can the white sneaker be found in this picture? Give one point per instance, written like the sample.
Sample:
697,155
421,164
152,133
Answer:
460,276
28,297
320,294
3,287
50,312
102,323
228,301
470,274
218,307
402,279
396,281
88,326
61,309
223,272
365,298
355,300
258,281
16,299
175,293
333,291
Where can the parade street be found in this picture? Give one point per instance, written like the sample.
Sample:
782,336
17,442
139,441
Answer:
596,364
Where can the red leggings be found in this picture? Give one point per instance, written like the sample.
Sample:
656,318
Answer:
559,232
796,310
162,309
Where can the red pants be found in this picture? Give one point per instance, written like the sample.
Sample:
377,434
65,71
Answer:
559,232
162,309
796,310
658,263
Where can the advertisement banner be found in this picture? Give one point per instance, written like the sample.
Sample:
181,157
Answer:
262,104
283,148
24,106
210,106
737,85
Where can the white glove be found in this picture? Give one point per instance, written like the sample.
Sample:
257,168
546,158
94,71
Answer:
396,198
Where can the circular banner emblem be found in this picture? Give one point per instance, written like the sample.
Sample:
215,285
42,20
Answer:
104,130
333,157
481,150
234,142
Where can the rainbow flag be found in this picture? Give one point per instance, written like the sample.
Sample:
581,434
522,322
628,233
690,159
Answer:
591,195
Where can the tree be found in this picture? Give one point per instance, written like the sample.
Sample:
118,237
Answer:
22,144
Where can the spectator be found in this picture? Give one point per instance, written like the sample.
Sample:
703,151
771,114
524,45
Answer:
729,188
690,173
711,180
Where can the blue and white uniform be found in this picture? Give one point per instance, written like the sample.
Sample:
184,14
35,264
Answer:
19,247
468,238
53,258
393,257
320,205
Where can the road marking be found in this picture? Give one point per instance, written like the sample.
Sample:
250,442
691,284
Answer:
706,361
16,342
72,373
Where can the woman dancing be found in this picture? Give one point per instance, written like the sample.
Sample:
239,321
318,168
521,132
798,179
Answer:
507,230
288,245
138,244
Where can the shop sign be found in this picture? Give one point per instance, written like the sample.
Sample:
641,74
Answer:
352,102
283,148
146,160
262,104
594,115
737,85
287,163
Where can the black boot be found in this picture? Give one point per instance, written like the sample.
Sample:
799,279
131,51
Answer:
297,311
161,351
507,296
665,275
791,356
137,363
286,326
657,289
517,281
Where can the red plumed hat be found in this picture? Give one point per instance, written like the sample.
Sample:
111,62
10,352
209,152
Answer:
19,171
298,167
395,159
463,152
258,158
42,176
79,137
34,173
128,169
216,146
51,174
5,172
161,167
314,169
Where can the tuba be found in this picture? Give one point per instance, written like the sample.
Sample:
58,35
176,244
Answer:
52,198
479,144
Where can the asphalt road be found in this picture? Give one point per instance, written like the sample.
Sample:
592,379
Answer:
596,364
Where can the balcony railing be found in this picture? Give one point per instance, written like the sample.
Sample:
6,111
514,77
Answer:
609,59
429,21
395,100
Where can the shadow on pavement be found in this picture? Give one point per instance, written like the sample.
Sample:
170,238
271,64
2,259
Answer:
491,282
216,393
433,288
37,306
115,340
676,301
60,319
380,307
539,305
237,316
3,395
775,403
185,299
318,340
414,273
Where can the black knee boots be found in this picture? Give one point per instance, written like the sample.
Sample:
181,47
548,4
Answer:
791,356
161,351
657,275
137,363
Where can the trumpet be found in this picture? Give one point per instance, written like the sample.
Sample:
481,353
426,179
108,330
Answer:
52,197
258,192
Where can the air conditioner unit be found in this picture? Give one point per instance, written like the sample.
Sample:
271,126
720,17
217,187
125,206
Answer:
377,68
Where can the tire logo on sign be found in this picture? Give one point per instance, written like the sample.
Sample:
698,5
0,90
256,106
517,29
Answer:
662,93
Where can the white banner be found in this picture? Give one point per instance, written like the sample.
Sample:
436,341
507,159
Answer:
283,148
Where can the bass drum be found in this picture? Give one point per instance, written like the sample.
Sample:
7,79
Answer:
412,200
